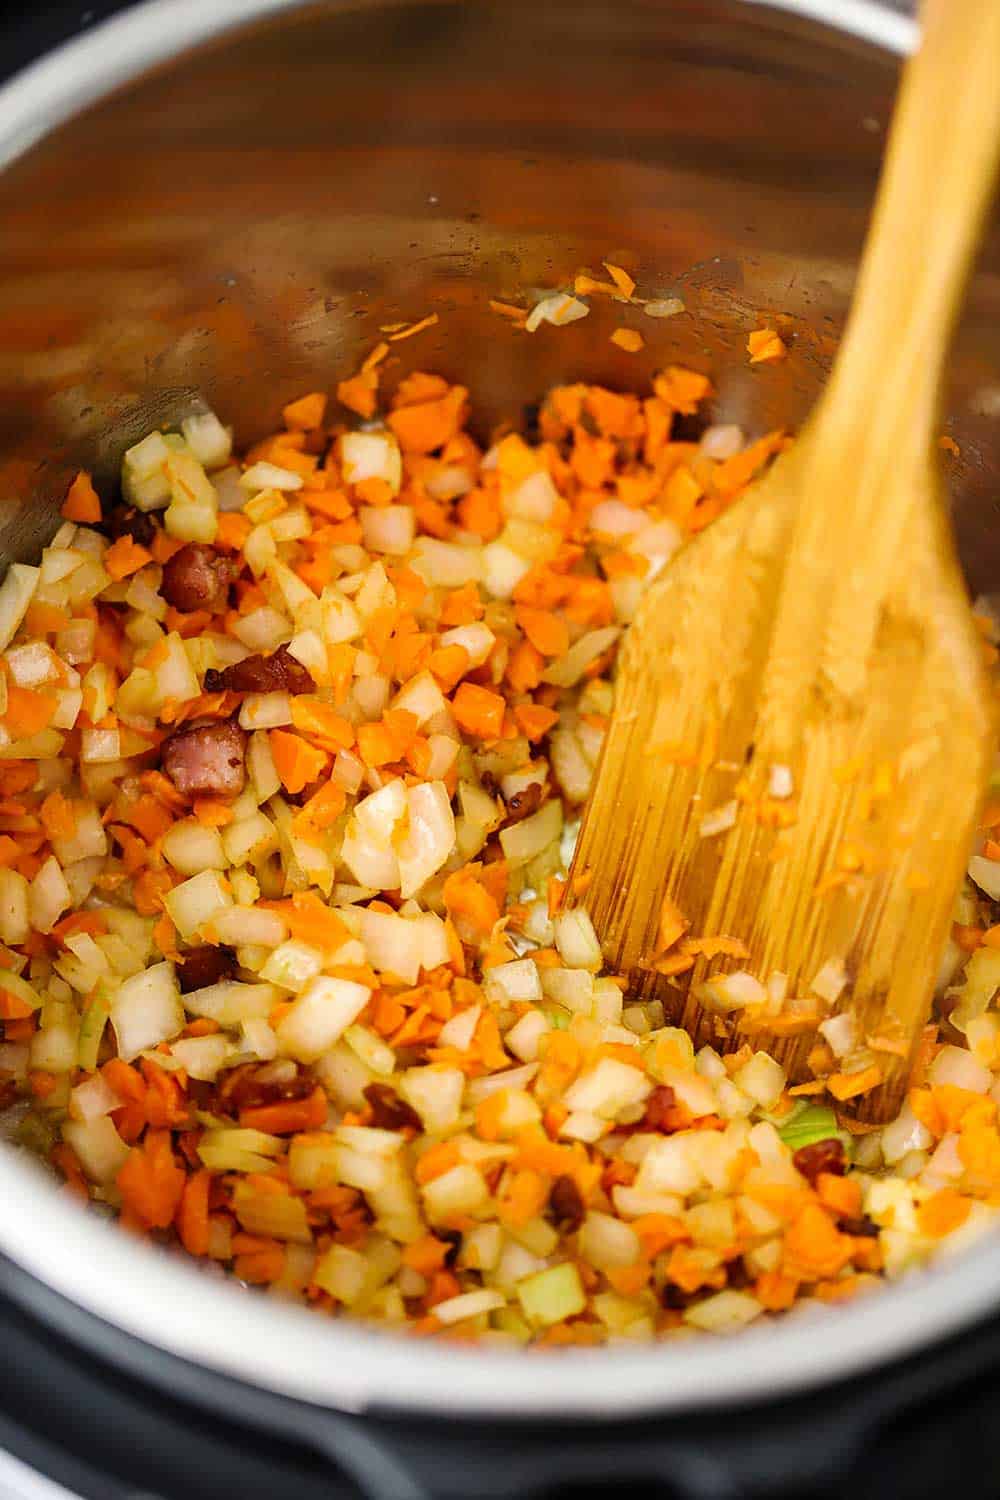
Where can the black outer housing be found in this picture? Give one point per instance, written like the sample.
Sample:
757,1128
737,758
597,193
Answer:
112,1418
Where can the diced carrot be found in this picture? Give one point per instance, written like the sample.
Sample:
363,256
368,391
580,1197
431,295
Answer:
945,1211
165,1103
478,711
466,896
44,619
296,762
658,1231
681,389
814,1247
323,808
462,606
775,1291
41,1083
765,346
629,339
525,667
12,1008
126,1081
427,425
850,1085
310,920
436,1160
82,502
376,745
314,717
629,1281
202,1026
305,414
524,1198
148,891
449,664
840,1194
426,1255
261,1267
21,1030
192,1213
359,392
233,530
150,1182
57,817
27,711
479,512
288,1116
125,556
546,631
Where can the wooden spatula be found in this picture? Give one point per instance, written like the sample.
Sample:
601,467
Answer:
803,727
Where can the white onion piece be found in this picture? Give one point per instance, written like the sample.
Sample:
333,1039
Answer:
722,441
615,518
956,1066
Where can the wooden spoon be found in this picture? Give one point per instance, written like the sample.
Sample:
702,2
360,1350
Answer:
818,638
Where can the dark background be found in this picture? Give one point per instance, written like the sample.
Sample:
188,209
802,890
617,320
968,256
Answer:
26,33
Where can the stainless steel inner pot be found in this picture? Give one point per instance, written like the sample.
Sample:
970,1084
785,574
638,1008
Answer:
228,197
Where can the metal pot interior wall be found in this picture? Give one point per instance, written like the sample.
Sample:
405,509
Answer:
244,218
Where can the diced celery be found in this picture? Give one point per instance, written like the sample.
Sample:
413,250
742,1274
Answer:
811,1123
92,1024
552,1296
19,988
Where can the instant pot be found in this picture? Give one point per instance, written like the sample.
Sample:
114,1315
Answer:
222,200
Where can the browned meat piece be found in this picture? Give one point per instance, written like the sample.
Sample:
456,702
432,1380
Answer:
206,758
126,520
660,1107
277,673
257,1084
389,1111
523,803
203,966
821,1156
197,577
566,1207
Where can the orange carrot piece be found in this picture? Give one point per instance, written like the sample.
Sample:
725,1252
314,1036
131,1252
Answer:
436,1161
478,711
314,717
125,556
765,346
192,1213
309,919
629,339
262,1267
546,631
288,1116
296,762
305,414
57,817
150,1182
945,1211
428,425
27,711
359,393
82,502
426,1255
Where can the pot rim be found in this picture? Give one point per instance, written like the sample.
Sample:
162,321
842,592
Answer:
76,74
165,1302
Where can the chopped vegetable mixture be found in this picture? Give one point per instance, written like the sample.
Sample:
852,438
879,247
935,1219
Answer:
292,750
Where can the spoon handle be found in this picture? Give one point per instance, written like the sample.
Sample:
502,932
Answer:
935,190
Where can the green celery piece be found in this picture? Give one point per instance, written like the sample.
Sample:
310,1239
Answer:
813,1122
92,1025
